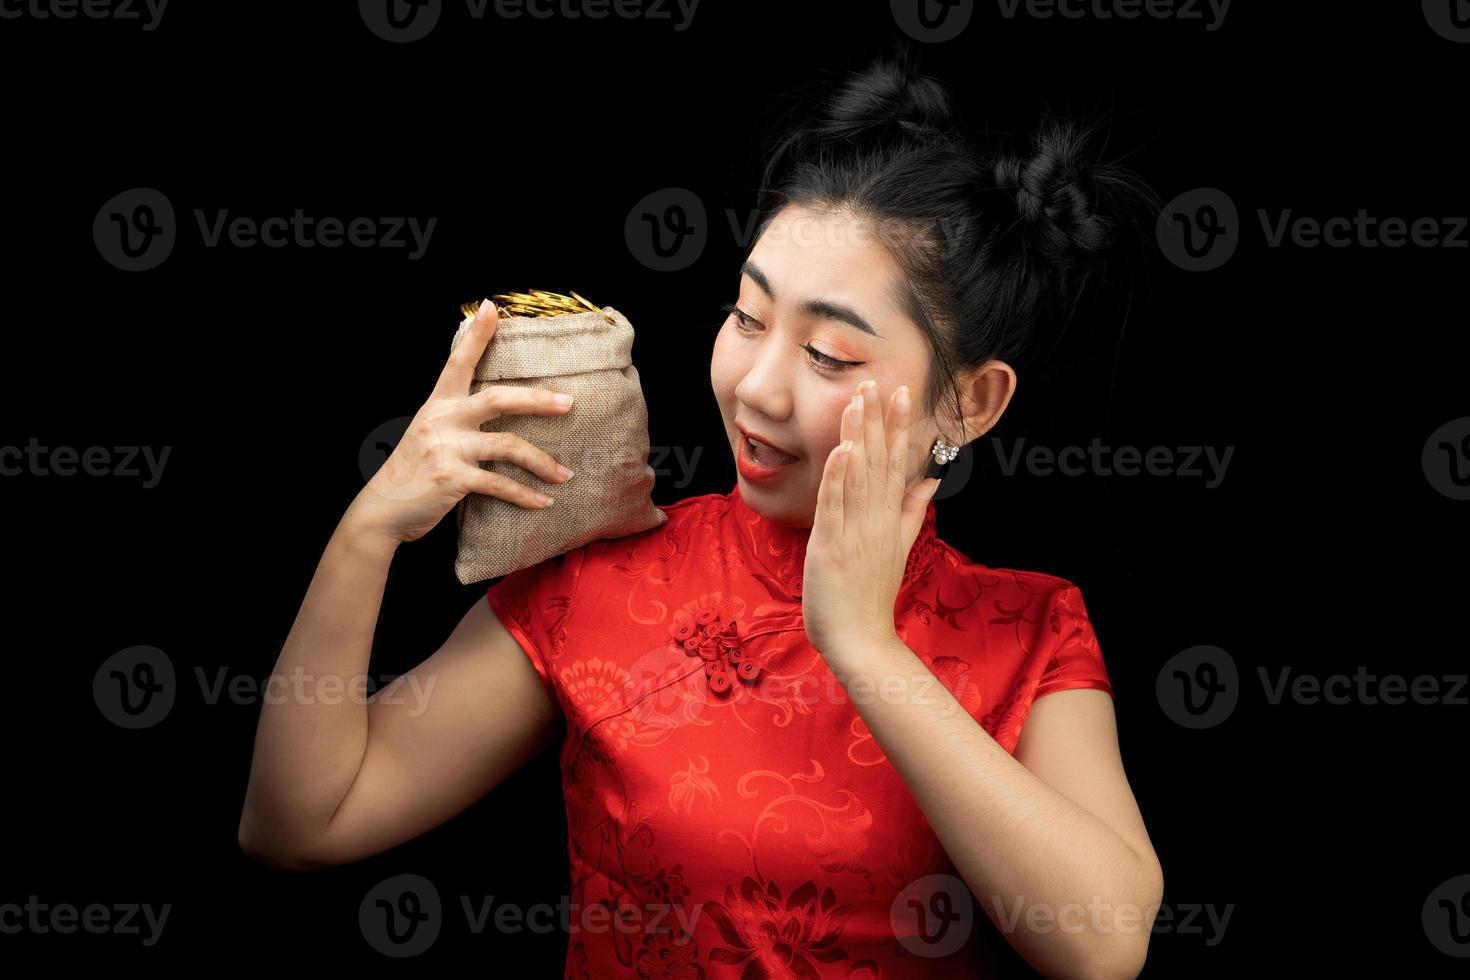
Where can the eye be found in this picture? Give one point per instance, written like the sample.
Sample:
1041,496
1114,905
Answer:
818,359
742,319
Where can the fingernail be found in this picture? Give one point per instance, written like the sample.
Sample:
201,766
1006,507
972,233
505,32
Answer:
845,446
902,399
857,403
485,306
544,500
870,391
563,472
563,400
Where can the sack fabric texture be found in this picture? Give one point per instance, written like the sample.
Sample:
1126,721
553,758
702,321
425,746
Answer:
603,439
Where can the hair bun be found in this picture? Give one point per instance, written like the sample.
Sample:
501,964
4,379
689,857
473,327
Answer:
888,104
891,92
1057,191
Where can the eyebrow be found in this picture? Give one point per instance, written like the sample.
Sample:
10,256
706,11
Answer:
815,308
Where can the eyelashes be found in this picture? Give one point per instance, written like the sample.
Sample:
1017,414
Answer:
817,358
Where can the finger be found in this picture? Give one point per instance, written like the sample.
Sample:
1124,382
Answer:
874,440
459,370
493,484
515,449
855,482
492,401
900,413
827,523
915,506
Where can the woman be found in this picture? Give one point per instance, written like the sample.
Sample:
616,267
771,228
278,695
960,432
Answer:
804,736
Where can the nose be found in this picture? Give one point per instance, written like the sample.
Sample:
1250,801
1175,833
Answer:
766,386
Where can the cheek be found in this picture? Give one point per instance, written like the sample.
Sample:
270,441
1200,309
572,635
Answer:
724,372
827,409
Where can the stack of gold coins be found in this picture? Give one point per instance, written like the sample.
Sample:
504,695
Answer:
538,302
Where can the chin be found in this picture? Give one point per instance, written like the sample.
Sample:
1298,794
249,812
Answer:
776,504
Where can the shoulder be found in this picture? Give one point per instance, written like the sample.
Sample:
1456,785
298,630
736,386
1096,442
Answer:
598,616
569,578
1009,619
1002,637
953,566
682,519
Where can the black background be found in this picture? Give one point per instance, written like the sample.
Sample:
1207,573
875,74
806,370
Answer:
1322,828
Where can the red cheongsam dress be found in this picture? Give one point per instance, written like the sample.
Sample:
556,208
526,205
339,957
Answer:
729,813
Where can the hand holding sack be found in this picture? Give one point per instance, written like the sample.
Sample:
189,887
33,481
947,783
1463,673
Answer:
563,344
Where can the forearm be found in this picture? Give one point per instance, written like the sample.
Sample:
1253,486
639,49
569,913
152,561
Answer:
313,726
1067,891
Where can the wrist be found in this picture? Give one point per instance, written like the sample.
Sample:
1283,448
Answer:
863,650
359,533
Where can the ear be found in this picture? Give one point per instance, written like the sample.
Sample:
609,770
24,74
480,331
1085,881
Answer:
985,392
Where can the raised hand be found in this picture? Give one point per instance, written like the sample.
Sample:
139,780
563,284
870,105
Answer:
437,462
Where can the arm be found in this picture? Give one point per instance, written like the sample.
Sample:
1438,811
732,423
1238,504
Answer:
1051,841
336,779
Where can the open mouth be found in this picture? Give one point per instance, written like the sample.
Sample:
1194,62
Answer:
765,455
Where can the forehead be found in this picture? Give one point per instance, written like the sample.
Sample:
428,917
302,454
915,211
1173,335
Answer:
807,253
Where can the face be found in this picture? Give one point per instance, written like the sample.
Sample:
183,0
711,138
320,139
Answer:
794,348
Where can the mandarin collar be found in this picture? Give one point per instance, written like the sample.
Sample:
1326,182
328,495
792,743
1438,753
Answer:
780,551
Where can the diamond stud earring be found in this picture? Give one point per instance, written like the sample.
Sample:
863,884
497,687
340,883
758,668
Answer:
944,454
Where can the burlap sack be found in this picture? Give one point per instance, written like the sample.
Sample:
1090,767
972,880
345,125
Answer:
603,440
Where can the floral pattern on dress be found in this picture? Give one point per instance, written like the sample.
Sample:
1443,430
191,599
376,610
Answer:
764,818
778,938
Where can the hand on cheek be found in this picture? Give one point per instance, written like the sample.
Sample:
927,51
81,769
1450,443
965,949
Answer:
866,521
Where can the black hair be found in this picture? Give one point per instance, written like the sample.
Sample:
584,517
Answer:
997,247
